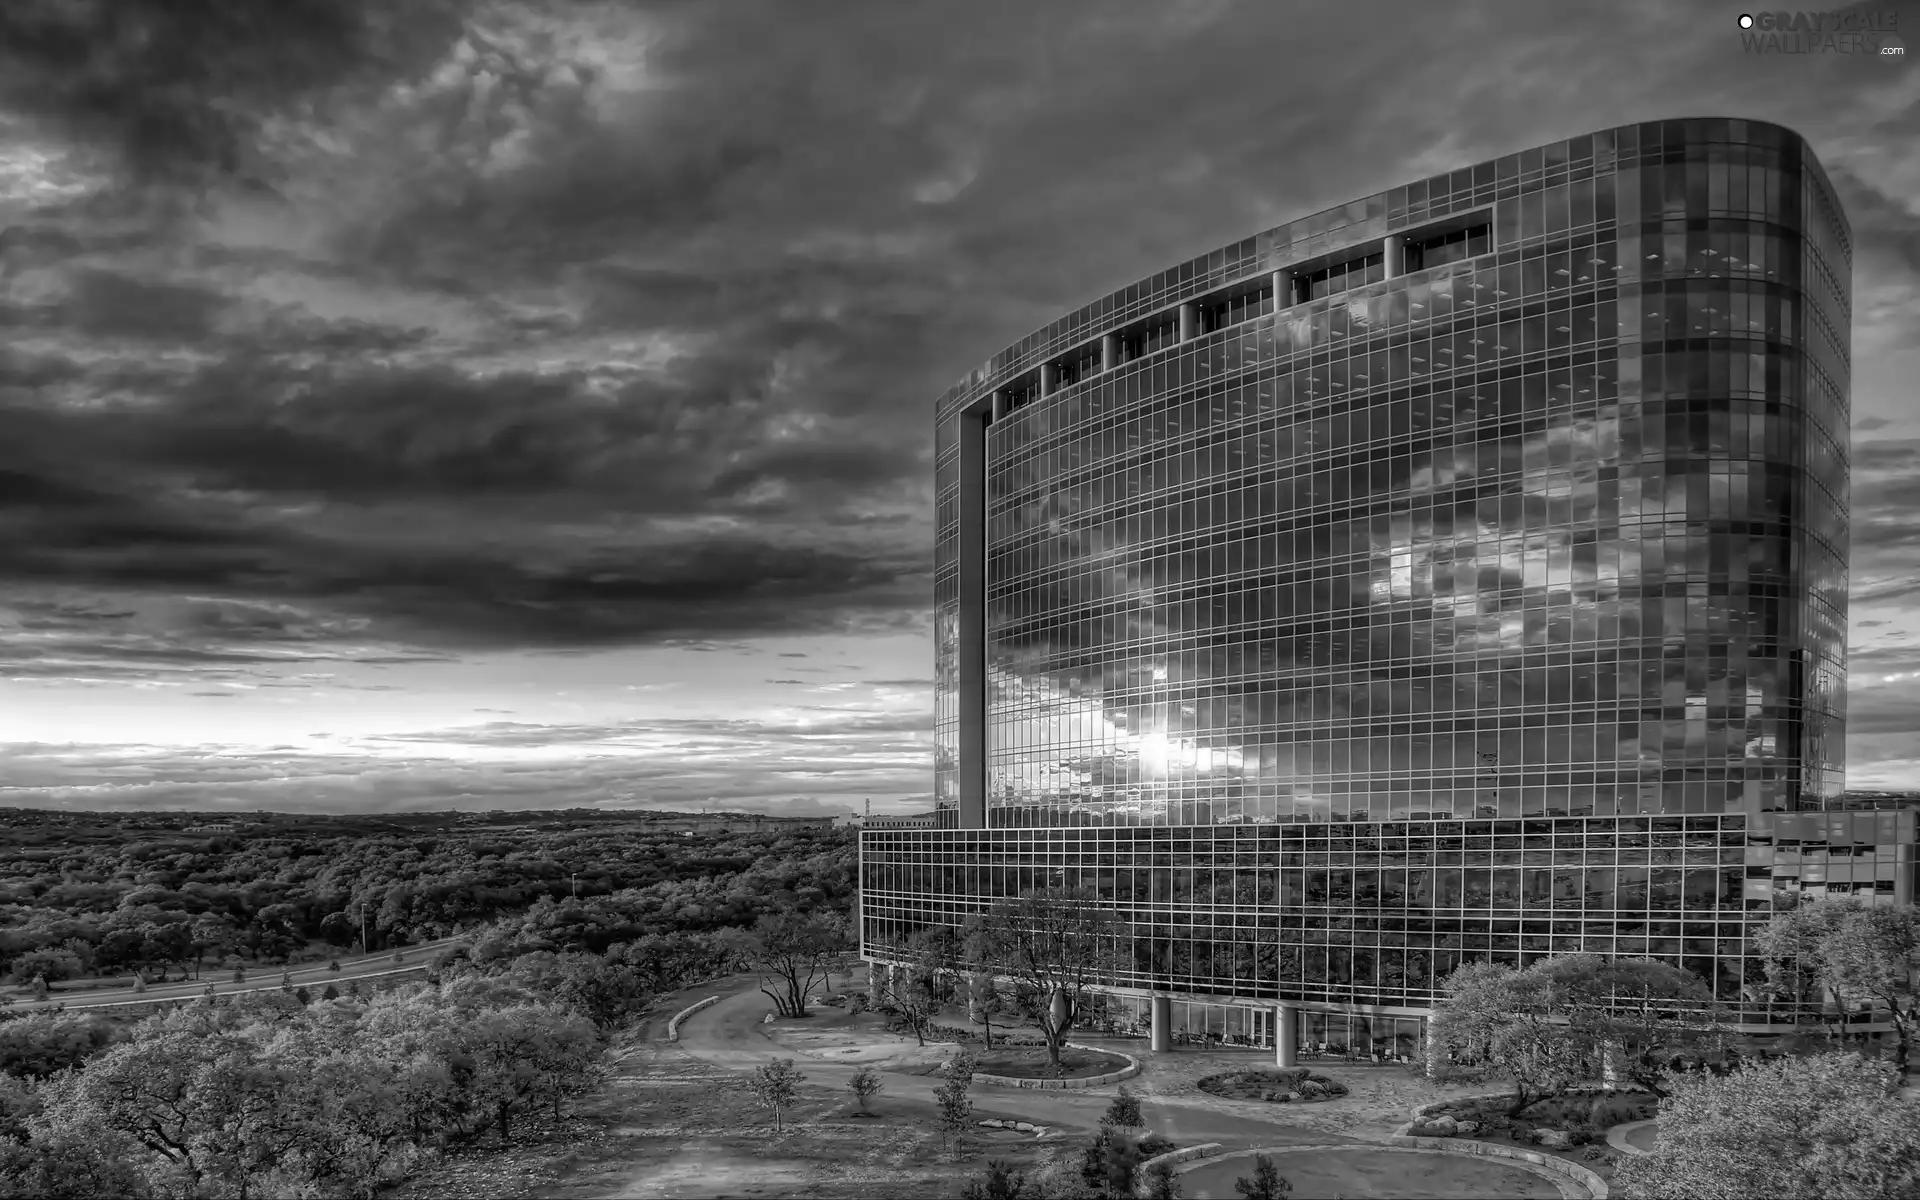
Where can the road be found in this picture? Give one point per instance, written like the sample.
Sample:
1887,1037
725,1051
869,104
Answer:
261,979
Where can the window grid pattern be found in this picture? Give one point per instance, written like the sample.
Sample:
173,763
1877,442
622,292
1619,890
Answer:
1507,537
1375,914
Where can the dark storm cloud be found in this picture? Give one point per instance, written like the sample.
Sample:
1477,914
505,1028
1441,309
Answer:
180,88
520,354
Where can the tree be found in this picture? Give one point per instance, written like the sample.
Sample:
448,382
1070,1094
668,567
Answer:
956,1106
1110,1163
1124,1112
985,1001
1862,955
1162,1183
1055,942
1823,1125
912,990
865,1085
527,1054
791,952
59,1162
777,1085
333,966
1562,1020
1266,1184
1003,1181
607,993
46,966
208,1107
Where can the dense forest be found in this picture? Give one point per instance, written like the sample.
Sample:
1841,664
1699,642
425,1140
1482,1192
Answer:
85,895
343,1091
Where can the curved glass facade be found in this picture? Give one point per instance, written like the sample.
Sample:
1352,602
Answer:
1458,573
1556,528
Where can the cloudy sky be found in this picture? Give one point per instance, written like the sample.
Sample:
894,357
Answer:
424,403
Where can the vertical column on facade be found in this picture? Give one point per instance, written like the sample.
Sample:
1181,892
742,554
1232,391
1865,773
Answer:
1282,290
1394,254
1043,381
876,981
1160,1024
1109,352
971,634
1286,1034
1189,322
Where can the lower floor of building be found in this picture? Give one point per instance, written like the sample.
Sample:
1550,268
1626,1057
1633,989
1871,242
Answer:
1296,1031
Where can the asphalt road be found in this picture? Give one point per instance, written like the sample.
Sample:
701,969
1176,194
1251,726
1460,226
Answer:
262,979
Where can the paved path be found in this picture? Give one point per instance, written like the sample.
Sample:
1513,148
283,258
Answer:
259,979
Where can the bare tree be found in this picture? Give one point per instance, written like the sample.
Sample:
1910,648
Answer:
792,954
1056,942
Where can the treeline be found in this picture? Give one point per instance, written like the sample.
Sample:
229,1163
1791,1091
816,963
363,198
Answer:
171,900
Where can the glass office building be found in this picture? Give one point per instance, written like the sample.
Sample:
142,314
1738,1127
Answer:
1459,572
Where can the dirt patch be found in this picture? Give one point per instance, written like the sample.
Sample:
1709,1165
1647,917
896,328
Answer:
1298,1085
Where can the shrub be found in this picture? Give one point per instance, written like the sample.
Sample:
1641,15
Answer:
865,1084
1002,1181
859,1003
1153,1145
1124,1112
1266,1183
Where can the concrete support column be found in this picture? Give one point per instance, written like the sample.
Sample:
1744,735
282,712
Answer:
1282,290
1189,322
1394,250
1161,1028
1286,1035
876,980
998,405
1043,381
1433,1050
1109,352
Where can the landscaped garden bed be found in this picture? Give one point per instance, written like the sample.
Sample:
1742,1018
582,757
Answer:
1032,1064
1558,1123
1291,1085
